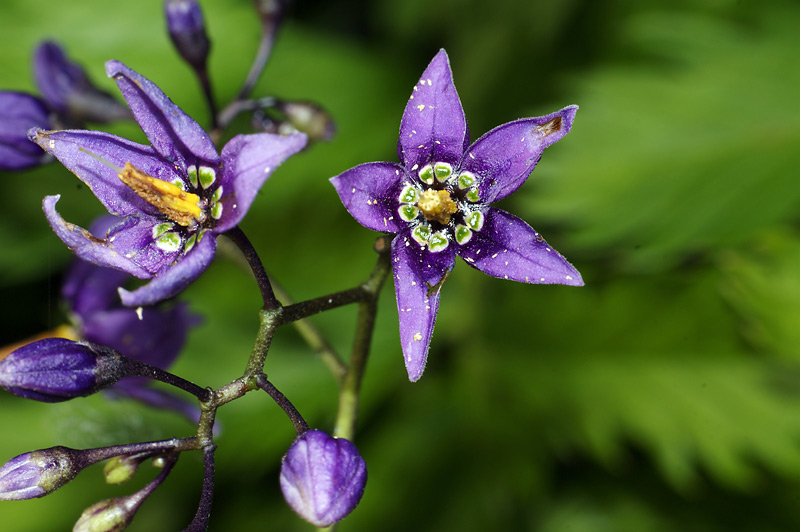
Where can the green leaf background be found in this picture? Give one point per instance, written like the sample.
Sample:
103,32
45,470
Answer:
662,396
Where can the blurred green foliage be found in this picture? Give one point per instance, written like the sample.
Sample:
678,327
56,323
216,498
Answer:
664,395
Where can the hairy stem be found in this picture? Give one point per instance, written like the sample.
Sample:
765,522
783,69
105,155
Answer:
300,425
249,252
141,369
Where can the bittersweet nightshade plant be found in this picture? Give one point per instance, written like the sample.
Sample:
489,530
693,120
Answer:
58,369
437,202
172,199
322,478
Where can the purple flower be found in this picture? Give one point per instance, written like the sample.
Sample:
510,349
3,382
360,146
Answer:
322,478
67,89
18,113
57,369
35,474
438,200
172,198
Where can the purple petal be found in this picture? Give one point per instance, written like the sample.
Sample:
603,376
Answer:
504,157
56,76
156,338
370,193
85,245
173,133
18,113
89,288
247,161
433,128
508,248
418,275
80,151
176,278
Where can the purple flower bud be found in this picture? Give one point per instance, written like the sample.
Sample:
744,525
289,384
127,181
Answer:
18,113
188,31
322,478
67,89
37,473
57,369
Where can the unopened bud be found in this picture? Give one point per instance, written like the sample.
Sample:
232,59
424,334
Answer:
121,469
38,473
111,515
18,113
188,31
57,369
66,88
308,118
322,478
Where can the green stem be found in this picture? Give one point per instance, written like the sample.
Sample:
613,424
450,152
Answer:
367,310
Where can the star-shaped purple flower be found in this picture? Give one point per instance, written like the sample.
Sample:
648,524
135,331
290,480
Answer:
172,198
437,202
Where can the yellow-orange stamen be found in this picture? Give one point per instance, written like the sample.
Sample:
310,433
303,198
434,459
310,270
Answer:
171,200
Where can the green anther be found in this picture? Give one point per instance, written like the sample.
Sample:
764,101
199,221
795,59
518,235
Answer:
217,195
421,234
202,234
160,229
475,220
438,242
190,242
472,195
207,176
443,171
463,234
178,182
466,180
408,212
169,242
192,172
409,195
426,174
216,211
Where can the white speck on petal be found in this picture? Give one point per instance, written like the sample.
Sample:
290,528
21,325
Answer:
541,279
413,283
353,191
429,83
267,169
471,156
414,167
417,337
139,313
384,221
52,144
495,255
421,106
569,277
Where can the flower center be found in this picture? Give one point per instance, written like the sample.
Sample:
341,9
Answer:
183,208
444,195
437,206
